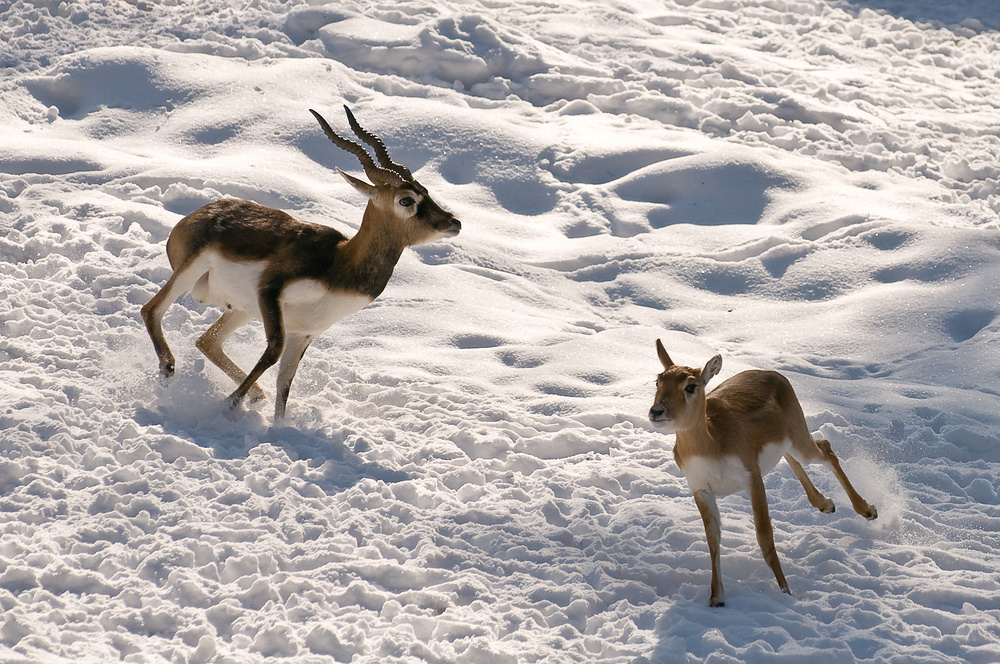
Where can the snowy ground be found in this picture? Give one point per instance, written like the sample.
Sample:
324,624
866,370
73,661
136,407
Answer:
466,473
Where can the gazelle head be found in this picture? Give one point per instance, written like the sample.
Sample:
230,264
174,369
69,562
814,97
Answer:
679,403
393,191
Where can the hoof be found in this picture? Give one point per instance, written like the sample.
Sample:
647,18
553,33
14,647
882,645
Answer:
233,401
232,412
871,514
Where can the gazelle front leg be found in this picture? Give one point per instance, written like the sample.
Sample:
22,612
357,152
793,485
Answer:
152,315
270,309
713,533
762,523
295,348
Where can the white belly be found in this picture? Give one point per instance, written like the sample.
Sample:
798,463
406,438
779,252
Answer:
227,283
307,306
771,455
728,474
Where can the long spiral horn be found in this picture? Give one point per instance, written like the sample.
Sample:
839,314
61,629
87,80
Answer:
375,173
376,144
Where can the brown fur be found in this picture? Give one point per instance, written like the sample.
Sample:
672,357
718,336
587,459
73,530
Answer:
737,420
399,213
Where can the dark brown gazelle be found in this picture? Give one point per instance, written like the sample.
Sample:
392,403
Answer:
728,439
297,277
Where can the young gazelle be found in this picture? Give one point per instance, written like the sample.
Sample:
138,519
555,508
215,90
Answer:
730,438
297,277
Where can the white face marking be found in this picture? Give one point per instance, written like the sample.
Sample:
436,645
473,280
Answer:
438,235
411,197
666,426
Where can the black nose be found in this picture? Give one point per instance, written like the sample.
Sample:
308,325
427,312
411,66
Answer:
656,411
450,226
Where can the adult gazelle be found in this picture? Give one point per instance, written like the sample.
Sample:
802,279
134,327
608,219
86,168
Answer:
297,277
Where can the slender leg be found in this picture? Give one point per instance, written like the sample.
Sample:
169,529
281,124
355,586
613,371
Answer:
211,342
295,348
183,278
713,532
818,500
270,310
765,533
861,506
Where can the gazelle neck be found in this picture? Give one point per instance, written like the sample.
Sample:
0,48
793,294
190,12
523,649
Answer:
375,248
695,438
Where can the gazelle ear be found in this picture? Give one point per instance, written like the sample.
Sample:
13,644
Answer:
711,370
661,352
362,186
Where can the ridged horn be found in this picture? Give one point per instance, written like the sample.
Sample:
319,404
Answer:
376,144
375,173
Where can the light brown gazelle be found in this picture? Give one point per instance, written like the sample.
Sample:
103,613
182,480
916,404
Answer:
730,438
297,277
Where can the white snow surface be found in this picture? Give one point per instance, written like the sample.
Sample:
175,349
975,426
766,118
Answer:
466,473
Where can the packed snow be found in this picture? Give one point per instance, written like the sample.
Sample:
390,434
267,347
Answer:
466,472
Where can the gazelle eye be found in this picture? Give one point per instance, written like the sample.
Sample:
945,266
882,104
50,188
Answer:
691,389
406,201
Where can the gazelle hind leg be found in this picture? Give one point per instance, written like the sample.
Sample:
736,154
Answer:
705,500
270,310
181,281
861,506
816,497
211,342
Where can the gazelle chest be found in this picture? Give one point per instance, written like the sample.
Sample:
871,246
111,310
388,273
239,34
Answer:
722,476
310,307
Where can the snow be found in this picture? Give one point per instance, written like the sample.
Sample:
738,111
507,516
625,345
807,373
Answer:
466,472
